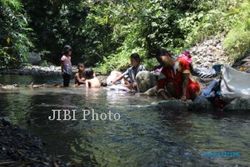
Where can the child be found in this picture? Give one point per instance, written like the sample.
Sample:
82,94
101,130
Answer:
91,80
130,74
66,65
80,75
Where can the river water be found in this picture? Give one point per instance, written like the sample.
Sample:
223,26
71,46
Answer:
144,135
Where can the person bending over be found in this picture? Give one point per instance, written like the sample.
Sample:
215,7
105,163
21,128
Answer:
130,74
175,80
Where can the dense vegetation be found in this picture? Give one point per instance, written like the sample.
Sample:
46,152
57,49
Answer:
105,33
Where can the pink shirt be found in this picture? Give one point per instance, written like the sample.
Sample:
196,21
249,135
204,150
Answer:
67,66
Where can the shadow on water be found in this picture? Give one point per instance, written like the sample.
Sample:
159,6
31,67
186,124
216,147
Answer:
144,136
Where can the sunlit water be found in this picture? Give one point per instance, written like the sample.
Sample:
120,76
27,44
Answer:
144,135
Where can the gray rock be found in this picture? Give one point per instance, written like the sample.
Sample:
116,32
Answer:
239,104
200,104
145,80
173,105
102,79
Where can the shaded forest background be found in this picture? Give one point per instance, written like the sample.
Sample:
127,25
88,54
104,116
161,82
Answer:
104,33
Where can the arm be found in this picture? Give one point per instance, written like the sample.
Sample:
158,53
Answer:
62,61
184,85
88,85
160,88
80,80
118,78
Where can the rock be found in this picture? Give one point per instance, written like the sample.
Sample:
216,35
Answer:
103,80
173,105
151,92
20,148
209,52
36,70
200,103
9,87
113,75
239,104
145,80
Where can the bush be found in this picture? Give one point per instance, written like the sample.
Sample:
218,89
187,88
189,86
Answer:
237,41
14,39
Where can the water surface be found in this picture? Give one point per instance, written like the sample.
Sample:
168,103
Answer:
144,136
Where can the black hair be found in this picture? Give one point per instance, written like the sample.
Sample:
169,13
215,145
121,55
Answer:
163,52
66,49
89,73
136,57
79,65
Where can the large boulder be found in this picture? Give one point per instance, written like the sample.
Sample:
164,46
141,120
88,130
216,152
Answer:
145,80
113,75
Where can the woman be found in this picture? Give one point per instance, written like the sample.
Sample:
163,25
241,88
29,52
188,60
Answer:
175,80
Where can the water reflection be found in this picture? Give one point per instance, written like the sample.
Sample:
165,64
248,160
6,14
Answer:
144,136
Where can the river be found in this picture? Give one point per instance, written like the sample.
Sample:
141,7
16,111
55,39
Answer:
144,136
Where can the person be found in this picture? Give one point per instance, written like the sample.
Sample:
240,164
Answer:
91,80
175,80
130,74
80,75
66,65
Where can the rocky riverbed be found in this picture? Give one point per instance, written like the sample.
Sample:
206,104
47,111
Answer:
19,148
35,70
209,52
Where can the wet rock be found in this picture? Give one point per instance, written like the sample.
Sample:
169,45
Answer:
151,92
113,75
200,104
9,87
102,79
173,105
239,104
243,64
145,80
19,148
36,70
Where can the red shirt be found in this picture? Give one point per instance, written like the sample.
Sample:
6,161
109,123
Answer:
168,75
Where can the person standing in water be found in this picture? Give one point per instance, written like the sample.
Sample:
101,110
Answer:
66,65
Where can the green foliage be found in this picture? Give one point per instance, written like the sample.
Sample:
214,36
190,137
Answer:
105,33
14,40
237,41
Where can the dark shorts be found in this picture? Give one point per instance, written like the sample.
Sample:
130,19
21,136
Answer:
66,79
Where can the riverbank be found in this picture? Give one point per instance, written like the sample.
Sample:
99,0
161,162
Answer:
35,70
19,148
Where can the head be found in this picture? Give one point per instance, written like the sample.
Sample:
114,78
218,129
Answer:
164,57
187,53
80,67
67,50
89,73
135,59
